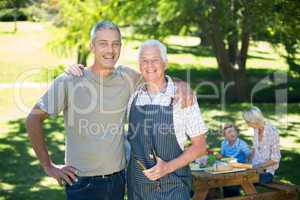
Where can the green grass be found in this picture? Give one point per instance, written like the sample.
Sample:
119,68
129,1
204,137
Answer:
21,176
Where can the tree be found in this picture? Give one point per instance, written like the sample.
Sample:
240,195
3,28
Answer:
16,5
227,24
75,20
286,31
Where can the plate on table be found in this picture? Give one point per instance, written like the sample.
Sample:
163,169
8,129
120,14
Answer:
196,167
226,171
222,167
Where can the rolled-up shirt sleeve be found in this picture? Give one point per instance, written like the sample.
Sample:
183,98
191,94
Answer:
245,148
193,120
54,100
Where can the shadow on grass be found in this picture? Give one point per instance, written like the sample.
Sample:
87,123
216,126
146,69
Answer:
21,176
207,81
259,57
204,51
199,73
19,167
195,50
7,32
289,165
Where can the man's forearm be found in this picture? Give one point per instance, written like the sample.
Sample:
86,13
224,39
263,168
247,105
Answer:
190,154
35,132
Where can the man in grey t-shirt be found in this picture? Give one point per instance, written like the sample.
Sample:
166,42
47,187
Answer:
93,108
94,111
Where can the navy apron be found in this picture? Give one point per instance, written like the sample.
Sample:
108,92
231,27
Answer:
151,128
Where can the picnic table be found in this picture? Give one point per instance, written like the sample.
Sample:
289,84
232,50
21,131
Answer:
205,181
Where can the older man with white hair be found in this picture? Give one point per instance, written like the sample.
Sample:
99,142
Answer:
158,130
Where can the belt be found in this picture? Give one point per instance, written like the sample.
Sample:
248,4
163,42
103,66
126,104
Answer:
108,175
103,176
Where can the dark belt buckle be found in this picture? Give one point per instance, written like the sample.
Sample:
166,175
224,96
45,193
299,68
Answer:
109,175
103,176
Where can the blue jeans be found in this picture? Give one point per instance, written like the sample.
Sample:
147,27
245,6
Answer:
231,191
98,188
265,178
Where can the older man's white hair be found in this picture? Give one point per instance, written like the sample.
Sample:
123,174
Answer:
254,115
154,43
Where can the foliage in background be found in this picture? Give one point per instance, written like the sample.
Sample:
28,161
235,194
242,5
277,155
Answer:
53,72
9,14
14,9
75,19
286,31
226,25
43,10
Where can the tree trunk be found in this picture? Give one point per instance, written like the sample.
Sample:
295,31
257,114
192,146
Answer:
244,50
240,77
233,46
233,34
82,55
204,39
242,58
15,20
245,43
219,47
241,86
226,65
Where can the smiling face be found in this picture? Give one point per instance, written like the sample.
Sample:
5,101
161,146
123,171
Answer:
230,134
106,47
152,65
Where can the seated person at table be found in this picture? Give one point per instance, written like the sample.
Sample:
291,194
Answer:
233,146
266,145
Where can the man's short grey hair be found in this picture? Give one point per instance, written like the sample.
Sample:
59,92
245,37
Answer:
155,43
105,24
254,115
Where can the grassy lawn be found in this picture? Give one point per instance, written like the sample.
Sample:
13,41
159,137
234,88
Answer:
26,50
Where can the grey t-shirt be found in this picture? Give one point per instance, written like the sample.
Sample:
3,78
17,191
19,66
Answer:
94,115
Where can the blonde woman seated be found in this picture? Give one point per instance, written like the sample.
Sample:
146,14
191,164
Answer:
266,151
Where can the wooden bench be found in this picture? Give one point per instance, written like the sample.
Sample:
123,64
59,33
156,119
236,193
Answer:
204,183
277,191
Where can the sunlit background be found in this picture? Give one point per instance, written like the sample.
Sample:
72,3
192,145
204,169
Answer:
38,39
